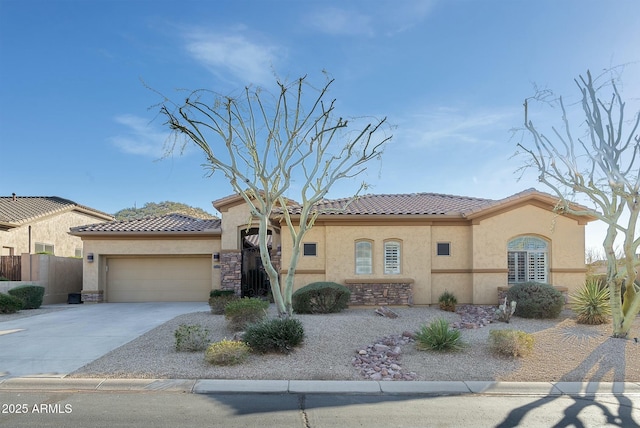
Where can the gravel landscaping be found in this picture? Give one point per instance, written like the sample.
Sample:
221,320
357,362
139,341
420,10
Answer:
563,351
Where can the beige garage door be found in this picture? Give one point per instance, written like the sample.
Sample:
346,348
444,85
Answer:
158,279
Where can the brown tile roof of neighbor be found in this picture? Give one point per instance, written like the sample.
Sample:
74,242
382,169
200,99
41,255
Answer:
401,204
18,210
176,223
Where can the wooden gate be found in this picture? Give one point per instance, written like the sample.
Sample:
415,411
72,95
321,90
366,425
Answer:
11,268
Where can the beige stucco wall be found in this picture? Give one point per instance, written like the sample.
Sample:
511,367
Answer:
336,254
476,267
236,219
58,275
49,230
491,235
94,273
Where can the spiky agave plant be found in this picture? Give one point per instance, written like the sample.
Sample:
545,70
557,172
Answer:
591,303
437,336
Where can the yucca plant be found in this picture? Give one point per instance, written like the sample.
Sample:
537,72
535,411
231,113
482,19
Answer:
447,302
437,336
591,303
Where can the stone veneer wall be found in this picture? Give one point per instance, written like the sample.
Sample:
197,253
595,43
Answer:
375,294
92,296
231,271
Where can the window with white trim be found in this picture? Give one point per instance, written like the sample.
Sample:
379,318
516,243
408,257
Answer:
527,260
392,257
364,258
40,247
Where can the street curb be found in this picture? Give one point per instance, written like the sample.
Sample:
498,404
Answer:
232,386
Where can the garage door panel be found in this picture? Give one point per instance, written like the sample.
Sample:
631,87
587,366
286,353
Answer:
154,279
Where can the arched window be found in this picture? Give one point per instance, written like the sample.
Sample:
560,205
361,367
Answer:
364,258
392,261
527,260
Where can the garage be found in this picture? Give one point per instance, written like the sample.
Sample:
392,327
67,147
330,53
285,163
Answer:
158,279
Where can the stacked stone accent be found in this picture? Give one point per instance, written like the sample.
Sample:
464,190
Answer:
374,294
231,271
92,296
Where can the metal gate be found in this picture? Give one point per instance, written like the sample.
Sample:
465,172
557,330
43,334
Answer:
255,281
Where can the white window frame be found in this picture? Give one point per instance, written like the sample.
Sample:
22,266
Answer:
528,260
41,247
392,257
363,257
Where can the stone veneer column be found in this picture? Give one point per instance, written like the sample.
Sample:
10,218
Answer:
231,271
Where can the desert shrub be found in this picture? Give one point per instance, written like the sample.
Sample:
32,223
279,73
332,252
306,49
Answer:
591,303
191,338
536,300
447,302
274,335
509,342
437,336
9,304
226,352
320,298
4,278
242,312
31,295
218,300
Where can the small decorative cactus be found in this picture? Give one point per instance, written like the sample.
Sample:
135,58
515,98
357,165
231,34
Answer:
505,311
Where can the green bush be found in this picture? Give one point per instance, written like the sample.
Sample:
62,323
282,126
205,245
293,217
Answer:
447,302
242,312
191,338
226,352
31,295
591,303
536,300
320,298
437,336
219,299
274,335
9,304
513,343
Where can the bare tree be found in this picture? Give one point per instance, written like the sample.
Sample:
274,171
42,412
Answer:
264,143
602,165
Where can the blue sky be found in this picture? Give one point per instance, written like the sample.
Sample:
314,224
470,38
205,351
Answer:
76,120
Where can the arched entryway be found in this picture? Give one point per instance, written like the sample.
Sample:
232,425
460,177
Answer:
255,281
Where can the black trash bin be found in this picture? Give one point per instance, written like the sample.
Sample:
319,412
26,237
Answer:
74,298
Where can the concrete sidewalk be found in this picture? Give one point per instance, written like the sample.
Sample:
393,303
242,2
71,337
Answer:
228,386
58,343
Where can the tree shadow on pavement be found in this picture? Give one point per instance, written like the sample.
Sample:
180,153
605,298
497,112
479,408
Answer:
599,363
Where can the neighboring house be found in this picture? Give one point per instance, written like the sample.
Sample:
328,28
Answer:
38,224
389,249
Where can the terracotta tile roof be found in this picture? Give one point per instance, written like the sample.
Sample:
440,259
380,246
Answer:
160,224
23,209
401,204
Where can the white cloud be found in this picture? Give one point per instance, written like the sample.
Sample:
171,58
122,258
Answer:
336,21
446,125
387,17
139,137
234,56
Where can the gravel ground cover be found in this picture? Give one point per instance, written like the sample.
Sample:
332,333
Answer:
563,351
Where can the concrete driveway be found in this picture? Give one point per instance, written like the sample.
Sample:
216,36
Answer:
57,343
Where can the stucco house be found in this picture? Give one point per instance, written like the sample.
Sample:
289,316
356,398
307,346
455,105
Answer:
38,224
389,249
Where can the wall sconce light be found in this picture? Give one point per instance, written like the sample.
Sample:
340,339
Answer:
216,256
90,257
